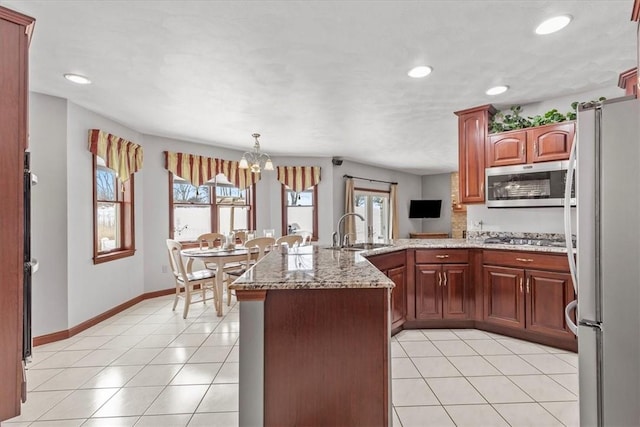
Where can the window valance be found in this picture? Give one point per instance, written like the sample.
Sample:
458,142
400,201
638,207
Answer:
200,169
299,178
124,157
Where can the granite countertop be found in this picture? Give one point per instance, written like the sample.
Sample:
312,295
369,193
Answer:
312,267
320,267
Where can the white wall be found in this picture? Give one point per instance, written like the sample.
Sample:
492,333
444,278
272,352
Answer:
534,220
437,187
47,143
409,187
96,288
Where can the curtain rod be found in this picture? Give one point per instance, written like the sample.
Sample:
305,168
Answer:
368,179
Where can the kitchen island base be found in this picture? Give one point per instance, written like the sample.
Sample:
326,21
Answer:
325,355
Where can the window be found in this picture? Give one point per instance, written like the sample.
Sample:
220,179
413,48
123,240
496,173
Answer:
113,214
373,205
194,211
299,210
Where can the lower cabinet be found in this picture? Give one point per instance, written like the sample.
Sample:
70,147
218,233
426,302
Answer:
441,291
393,265
527,298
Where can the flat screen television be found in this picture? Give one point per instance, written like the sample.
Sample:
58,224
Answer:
425,208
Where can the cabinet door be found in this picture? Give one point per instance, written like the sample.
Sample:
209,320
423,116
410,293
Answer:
454,290
548,293
428,291
551,142
472,131
507,149
504,296
398,296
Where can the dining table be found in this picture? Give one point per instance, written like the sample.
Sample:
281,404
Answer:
220,257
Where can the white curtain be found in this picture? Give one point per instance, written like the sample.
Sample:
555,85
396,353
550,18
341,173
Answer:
349,222
394,220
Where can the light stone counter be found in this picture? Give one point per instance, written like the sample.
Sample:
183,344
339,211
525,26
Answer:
320,267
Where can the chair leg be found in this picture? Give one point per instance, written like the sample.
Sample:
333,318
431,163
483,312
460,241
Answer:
203,293
228,296
187,302
175,300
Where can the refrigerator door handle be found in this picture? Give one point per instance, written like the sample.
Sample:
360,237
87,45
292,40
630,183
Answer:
568,232
567,316
590,323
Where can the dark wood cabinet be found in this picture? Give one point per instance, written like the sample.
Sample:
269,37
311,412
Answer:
503,297
472,132
507,148
441,286
533,145
15,32
528,291
548,293
393,265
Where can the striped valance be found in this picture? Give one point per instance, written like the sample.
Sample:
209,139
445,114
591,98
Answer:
299,178
124,157
199,169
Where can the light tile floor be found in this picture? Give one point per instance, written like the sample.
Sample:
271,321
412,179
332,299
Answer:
148,367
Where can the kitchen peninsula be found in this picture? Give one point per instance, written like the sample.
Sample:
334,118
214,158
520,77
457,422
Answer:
316,321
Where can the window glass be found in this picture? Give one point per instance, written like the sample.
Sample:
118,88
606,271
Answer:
300,210
114,216
196,212
374,207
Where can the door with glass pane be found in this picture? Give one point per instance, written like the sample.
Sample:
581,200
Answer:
374,207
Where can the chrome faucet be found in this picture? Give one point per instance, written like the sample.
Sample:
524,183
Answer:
339,233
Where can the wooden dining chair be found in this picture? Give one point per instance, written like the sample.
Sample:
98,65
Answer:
186,282
262,243
210,240
290,239
240,236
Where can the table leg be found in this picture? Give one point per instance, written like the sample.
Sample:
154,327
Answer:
219,286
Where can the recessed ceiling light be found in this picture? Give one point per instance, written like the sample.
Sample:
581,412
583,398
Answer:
554,24
497,90
419,72
77,78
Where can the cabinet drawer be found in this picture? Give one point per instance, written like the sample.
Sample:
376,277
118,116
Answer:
430,256
536,260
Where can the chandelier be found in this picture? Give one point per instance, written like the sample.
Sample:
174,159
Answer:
255,159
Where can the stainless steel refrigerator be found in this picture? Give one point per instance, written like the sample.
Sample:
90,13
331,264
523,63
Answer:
607,162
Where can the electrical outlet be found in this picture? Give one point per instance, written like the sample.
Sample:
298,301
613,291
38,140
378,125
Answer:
165,268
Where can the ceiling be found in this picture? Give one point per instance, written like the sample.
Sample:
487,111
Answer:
321,78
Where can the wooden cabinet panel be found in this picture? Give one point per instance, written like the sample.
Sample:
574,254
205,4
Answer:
504,296
393,265
551,142
454,290
548,293
15,30
433,256
472,131
398,296
536,260
507,148
428,291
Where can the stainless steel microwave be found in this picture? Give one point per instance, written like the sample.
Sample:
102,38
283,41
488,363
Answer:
529,185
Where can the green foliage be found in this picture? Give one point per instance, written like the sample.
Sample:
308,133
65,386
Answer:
502,122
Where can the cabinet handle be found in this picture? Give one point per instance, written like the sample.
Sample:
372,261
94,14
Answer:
439,279
445,278
524,259
442,256
528,279
521,285
522,150
535,147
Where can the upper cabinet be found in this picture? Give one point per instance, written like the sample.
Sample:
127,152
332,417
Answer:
533,145
472,132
